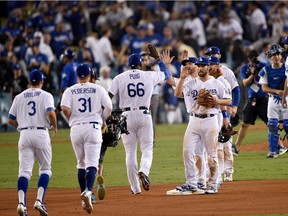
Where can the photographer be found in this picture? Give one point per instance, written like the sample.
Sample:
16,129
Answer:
257,99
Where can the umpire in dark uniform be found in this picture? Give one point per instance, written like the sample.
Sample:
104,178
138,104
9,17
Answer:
257,99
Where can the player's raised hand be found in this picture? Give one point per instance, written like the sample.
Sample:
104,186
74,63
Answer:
184,55
186,71
165,57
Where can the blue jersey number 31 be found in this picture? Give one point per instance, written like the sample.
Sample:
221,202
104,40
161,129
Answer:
86,104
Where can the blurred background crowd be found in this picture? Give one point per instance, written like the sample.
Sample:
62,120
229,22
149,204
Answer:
35,34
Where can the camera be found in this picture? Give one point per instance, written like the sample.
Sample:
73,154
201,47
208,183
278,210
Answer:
116,126
255,63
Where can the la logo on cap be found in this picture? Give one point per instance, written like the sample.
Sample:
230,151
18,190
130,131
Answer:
200,59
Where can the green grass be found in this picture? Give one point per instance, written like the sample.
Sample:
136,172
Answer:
167,164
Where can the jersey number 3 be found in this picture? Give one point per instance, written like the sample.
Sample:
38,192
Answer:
86,104
33,107
134,90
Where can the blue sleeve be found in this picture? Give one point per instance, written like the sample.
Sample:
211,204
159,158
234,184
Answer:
10,116
49,109
262,72
236,96
243,70
164,69
64,79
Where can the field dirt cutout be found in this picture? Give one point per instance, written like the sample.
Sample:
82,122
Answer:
234,198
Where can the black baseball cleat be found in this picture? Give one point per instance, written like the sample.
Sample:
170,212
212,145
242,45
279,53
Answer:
145,181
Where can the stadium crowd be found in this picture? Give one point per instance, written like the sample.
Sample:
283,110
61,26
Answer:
104,33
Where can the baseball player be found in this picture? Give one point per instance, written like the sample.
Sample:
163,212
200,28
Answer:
189,62
230,77
32,113
135,88
86,106
68,75
272,79
223,148
203,126
285,44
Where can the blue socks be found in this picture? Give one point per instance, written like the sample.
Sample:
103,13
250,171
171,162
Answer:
81,179
22,185
42,186
90,177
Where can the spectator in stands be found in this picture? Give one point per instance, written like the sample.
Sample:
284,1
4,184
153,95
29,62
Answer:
256,19
130,34
60,39
37,60
195,24
44,47
106,56
137,43
153,37
229,29
11,28
47,24
167,35
180,47
105,77
77,21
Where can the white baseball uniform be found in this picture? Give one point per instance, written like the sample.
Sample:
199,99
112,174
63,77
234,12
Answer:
202,128
86,102
227,147
135,88
229,76
225,156
29,109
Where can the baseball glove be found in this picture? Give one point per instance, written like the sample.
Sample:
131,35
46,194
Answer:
226,133
206,99
153,51
234,121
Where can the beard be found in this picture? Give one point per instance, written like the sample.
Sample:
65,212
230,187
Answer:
202,73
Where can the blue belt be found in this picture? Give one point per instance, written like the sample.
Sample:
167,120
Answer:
202,115
135,108
87,123
37,128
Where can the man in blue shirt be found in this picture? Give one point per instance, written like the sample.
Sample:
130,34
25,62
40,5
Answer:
68,75
257,99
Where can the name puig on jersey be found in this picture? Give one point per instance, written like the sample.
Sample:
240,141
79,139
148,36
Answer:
83,91
134,76
32,94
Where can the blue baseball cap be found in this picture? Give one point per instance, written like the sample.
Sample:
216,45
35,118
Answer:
285,41
83,70
212,50
69,53
134,60
202,61
36,76
190,59
213,60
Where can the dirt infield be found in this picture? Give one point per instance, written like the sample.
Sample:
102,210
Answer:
234,198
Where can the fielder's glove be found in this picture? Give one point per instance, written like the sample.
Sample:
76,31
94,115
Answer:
226,133
206,99
153,51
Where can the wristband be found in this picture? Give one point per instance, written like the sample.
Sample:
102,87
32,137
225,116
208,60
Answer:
224,113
